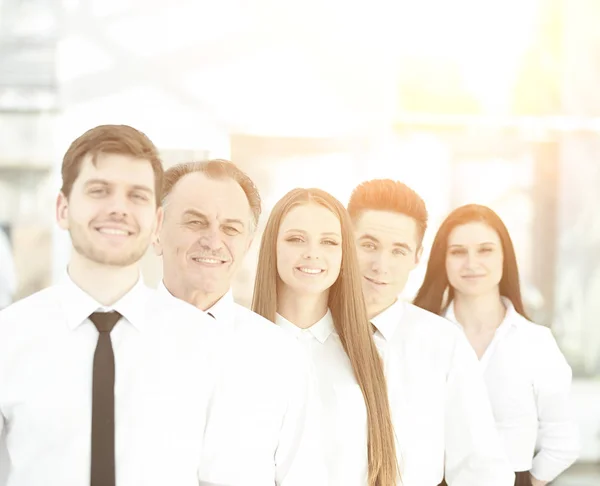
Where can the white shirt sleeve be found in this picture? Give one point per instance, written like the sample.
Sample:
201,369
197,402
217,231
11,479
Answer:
558,438
474,453
3,456
299,458
8,278
2,419
3,450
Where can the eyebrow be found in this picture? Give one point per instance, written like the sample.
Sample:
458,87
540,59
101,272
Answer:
104,182
137,187
198,214
480,244
233,221
194,212
406,246
329,233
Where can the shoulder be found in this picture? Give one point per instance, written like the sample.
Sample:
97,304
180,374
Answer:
24,324
176,314
529,328
539,341
180,329
31,308
266,338
262,329
430,325
533,336
439,341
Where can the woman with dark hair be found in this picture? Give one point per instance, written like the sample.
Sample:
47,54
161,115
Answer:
308,283
472,279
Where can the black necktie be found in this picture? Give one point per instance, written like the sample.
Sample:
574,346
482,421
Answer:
211,316
103,402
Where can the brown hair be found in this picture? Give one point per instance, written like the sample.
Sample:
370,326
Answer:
389,195
216,169
110,139
431,294
351,323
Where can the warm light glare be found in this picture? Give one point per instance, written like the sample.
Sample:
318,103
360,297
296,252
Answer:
484,40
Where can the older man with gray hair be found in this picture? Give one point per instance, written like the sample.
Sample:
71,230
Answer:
258,430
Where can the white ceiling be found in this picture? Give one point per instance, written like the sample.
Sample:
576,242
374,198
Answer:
270,67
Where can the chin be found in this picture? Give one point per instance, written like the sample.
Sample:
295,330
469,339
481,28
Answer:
308,289
477,292
206,283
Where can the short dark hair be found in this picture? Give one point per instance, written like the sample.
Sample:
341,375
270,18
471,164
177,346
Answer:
110,139
389,195
216,169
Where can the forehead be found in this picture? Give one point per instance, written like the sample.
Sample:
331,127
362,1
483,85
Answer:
312,218
386,226
117,169
220,198
473,233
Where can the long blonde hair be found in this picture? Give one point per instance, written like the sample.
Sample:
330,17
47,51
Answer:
351,323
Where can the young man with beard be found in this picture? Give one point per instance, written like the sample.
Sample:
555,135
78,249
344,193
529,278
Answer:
440,409
102,382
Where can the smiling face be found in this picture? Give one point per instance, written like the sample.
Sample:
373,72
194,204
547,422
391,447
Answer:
474,259
388,250
111,211
206,233
309,249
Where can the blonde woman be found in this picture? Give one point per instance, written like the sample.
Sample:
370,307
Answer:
308,283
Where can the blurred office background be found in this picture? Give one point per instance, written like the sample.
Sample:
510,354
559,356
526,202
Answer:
489,101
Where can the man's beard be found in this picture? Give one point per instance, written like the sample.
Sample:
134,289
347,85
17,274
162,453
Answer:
86,248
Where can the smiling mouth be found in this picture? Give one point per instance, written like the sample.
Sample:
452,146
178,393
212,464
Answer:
113,231
310,271
473,276
208,260
373,281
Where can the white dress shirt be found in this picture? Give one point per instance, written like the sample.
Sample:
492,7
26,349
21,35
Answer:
166,360
257,433
528,382
342,409
441,413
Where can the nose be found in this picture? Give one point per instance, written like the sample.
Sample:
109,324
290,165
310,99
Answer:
119,206
379,264
311,252
472,259
210,239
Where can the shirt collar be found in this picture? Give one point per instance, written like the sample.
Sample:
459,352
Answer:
78,305
321,330
450,315
387,321
222,311
508,321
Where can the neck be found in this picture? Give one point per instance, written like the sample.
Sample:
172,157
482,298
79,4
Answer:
479,313
105,283
191,295
302,310
376,308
